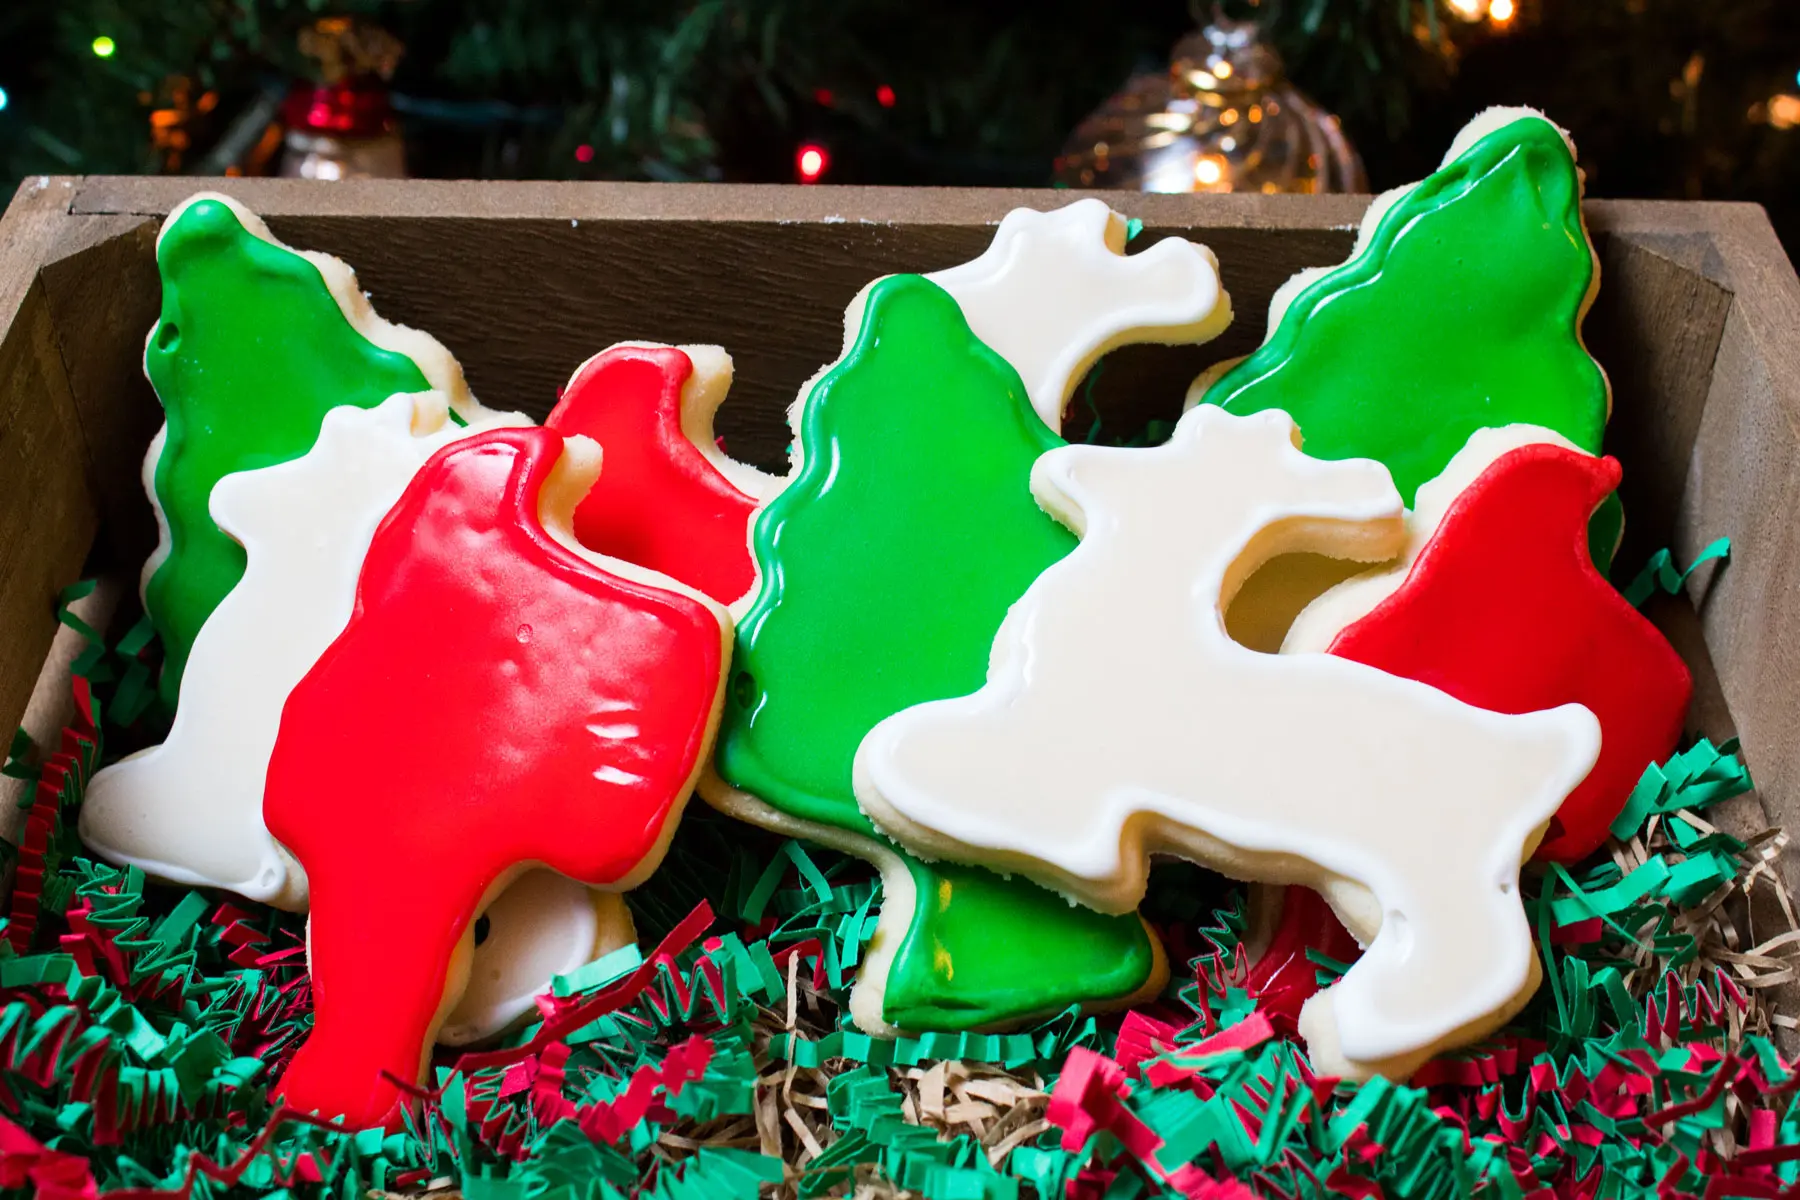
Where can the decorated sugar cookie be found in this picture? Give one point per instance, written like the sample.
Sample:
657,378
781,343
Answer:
499,698
190,810
1055,290
1459,309
541,926
669,499
885,565
255,343
1496,601
1305,768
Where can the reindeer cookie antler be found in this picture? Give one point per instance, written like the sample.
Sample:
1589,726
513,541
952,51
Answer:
1055,290
1301,768
500,698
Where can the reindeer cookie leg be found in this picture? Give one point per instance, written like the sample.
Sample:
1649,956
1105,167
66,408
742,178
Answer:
1453,958
374,913
576,697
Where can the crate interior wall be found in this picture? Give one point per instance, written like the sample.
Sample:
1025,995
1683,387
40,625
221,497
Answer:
1697,323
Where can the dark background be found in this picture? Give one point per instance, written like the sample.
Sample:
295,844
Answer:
1666,98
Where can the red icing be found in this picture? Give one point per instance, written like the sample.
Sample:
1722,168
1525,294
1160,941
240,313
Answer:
495,700
1282,978
1504,610
659,502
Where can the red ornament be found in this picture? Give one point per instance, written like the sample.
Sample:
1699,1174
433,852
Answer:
497,699
659,501
1504,610
810,162
353,108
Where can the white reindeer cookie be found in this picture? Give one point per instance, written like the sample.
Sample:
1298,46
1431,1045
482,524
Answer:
1302,768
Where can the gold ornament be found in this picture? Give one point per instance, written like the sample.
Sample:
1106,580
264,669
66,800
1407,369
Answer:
1223,118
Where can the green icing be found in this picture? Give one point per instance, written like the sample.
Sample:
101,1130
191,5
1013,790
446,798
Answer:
249,353
887,566
1460,313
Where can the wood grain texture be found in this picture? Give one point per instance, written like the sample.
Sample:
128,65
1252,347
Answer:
104,294
48,514
1657,334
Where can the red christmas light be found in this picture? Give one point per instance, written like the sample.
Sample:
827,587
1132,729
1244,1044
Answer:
811,161
884,96
584,153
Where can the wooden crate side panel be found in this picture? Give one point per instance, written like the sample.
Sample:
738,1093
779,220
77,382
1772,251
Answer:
48,513
1656,330
104,298
1744,483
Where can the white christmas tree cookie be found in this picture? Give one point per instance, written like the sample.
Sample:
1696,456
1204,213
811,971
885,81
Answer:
1119,719
1055,290
190,810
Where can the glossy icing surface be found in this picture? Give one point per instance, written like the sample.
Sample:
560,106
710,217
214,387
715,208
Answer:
250,351
1460,310
1283,768
1056,290
1503,609
190,810
886,565
662,502
497,700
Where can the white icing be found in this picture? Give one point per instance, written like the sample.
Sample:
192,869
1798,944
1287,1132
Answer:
1056,290
1335,610
543,924
1118,719
164,541
190,810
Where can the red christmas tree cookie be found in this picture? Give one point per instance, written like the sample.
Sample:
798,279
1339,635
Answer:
1503,609
669,499
499,698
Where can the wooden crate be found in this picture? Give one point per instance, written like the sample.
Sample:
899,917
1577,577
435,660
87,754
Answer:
1698,323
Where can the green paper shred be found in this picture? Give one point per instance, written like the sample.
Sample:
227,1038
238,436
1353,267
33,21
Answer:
1660,572
142,1025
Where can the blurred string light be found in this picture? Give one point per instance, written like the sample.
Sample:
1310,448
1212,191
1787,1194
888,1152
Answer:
104,46
1780,111
1496,12
3,99
811,161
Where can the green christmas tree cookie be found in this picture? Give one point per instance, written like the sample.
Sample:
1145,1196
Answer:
1461,309
255,342
886,564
